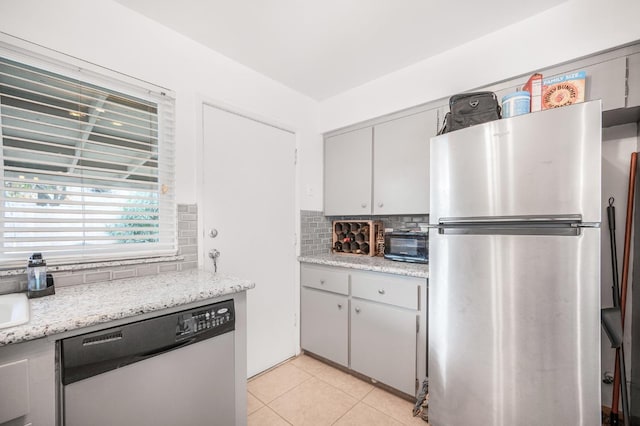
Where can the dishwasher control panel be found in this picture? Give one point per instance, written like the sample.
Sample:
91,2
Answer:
213,318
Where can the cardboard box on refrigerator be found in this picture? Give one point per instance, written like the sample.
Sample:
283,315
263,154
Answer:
563,90
534,87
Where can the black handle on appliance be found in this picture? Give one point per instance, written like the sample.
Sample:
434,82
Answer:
611,217
166,348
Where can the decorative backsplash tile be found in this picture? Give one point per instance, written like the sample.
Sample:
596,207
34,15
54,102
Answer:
316,235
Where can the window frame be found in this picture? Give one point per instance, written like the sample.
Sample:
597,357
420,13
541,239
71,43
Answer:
163,98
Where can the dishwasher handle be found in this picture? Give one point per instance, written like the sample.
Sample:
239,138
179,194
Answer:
167,348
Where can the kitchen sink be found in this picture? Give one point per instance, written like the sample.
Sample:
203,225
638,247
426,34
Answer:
14,309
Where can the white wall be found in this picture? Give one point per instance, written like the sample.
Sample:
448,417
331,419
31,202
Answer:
569,31
112,36
573,29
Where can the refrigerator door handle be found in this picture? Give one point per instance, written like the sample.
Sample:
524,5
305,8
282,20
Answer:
571,220
568,231
569,225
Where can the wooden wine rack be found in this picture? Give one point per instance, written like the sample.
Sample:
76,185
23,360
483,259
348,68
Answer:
358,237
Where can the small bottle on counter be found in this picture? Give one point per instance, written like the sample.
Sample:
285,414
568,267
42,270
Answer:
39,283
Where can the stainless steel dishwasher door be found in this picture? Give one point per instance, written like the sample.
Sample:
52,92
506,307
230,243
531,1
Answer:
169,370
191,385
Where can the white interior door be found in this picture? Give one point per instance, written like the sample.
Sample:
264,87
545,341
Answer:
249,198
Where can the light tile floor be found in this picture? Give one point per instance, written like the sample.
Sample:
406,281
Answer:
305,391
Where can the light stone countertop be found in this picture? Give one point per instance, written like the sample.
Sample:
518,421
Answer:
369,263
85,305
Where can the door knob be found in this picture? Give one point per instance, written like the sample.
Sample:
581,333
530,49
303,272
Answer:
213,232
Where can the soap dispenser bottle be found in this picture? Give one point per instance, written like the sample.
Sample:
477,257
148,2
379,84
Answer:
38,283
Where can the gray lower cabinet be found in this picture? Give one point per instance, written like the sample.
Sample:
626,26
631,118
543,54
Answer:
27,384
371,322
325,324
383,343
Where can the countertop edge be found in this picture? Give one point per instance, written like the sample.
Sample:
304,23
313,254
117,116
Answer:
374,264
44,323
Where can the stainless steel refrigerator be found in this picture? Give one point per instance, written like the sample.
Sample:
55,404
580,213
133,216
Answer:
514,271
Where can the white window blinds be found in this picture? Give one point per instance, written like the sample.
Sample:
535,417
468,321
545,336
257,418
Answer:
87,171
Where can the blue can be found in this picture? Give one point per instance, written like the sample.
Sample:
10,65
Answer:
516,104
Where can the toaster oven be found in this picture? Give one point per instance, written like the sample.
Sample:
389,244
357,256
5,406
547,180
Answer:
407,246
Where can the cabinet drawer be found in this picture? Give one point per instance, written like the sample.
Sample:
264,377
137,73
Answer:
386,288
325,278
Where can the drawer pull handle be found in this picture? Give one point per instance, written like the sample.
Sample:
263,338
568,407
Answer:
339,305
357,310
381,291
321,282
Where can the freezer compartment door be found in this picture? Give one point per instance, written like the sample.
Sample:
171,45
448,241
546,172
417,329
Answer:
541,164
514,329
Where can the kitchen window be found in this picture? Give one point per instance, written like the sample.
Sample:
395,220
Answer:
86,166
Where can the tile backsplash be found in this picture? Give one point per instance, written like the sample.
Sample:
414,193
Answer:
186,258
315,228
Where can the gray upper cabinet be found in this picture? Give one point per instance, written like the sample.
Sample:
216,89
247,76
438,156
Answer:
380,170
401,164
633,97
605,81
347,173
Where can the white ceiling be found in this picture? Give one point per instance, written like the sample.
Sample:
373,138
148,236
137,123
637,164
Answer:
325,47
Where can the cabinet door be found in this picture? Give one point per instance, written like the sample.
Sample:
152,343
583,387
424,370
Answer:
401,164
606,81
14,390
28,368
324,325
383,343
347,173
441,113
633,98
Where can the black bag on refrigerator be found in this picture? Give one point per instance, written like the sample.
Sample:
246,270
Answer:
468,109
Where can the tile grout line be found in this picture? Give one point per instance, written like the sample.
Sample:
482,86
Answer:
279,416
338,389
313,372
285,393
271,370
